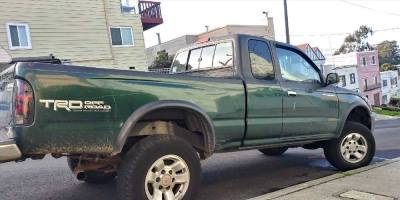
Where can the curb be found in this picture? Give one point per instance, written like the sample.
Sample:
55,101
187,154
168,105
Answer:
309,184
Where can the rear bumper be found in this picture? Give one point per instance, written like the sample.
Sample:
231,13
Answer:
9,150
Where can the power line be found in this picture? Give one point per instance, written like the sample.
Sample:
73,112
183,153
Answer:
340,34
372,9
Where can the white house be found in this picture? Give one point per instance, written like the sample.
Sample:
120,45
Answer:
348,76
390,85
315,54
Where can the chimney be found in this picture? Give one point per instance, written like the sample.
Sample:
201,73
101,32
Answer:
271,27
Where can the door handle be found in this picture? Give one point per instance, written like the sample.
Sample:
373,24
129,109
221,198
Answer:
292,94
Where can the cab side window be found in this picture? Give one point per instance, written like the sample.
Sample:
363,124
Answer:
295,68
261,60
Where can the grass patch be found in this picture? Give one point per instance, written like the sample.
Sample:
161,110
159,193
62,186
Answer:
386,112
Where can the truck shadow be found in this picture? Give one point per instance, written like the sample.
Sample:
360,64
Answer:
233,176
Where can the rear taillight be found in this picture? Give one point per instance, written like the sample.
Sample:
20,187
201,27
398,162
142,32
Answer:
24,103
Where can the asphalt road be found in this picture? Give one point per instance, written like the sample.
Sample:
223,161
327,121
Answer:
229,176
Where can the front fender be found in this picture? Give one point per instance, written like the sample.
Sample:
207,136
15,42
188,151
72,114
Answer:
347,103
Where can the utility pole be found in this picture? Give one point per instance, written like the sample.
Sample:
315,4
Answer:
286,22
159,38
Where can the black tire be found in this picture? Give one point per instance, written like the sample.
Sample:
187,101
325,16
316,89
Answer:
91,177
140,158
274,152
333,152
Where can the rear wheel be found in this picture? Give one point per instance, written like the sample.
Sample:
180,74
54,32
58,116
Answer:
355,148
274,152
159,168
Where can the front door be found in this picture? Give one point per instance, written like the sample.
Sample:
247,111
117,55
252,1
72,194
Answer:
309,108
264,96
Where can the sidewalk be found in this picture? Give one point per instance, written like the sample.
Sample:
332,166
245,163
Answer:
385,117
376,182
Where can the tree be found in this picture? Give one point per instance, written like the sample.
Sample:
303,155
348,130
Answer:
387,67
388,53
356,41
163,60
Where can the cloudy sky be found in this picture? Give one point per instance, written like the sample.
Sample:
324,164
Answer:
322,23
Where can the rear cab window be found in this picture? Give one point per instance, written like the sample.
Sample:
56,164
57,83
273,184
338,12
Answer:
179,64
214,60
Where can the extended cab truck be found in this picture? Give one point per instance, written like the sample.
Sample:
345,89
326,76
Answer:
151,130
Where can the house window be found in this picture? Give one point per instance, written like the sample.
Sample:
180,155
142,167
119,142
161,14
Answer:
385,82
122,36
352,78
364,61
373,60
18,36
385,99
376,80
393,82
129,6
366,83
342,80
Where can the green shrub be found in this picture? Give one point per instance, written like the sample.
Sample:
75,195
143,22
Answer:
391,108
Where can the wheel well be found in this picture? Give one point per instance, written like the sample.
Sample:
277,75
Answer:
182,122
361,115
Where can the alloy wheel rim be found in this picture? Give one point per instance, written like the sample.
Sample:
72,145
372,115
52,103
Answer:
167,179
354,148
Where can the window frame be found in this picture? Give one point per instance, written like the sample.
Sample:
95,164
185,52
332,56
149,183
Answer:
373,60
301,54
28,36
343,81
364,61
136,9
121,27
352,78
384,83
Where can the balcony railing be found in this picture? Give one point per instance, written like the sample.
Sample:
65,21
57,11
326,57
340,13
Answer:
151,14
372,87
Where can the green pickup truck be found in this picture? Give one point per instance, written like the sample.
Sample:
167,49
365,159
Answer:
151,130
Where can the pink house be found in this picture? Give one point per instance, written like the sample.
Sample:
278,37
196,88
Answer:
366,68
369,79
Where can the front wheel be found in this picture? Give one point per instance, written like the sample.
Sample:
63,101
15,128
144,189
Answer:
159,168
355,148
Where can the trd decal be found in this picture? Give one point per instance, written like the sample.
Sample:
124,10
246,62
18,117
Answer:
76,105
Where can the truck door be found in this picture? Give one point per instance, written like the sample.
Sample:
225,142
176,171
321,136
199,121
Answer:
308,107
264,95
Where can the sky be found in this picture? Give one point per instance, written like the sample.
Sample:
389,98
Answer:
322,23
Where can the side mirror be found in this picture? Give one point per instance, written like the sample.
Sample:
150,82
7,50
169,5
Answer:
332,78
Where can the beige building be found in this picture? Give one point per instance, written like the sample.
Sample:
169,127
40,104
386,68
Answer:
172,46
101,33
